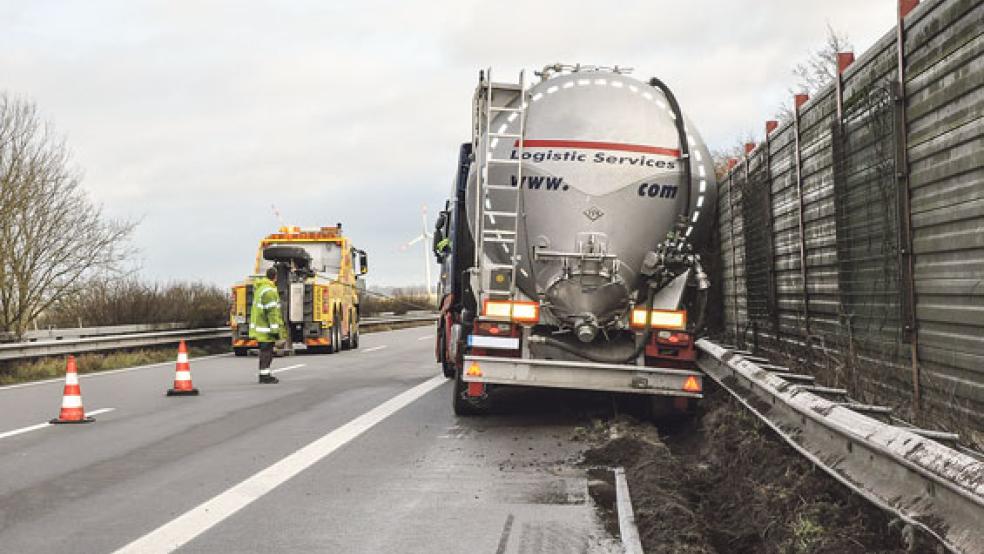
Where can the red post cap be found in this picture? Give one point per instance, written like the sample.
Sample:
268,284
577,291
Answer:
749,146
906,6
770,126
732,162
800,99
844,60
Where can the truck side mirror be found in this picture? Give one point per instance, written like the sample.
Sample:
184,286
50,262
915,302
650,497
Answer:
363,263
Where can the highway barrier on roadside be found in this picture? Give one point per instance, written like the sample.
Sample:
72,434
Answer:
117,338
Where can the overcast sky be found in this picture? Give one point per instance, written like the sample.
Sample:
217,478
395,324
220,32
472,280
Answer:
193,117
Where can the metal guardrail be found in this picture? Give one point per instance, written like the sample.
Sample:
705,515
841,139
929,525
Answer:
899,469
82,332
35,349
83,341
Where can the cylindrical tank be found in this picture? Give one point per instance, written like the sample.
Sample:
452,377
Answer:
602,186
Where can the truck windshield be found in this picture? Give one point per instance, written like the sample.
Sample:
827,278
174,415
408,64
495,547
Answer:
326,257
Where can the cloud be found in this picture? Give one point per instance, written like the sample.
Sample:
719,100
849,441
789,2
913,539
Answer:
196,116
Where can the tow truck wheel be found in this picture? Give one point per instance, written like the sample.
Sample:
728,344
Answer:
355,332
347,343
336,335
461,403
330,347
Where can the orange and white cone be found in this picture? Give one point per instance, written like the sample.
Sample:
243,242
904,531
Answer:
71,408
182,375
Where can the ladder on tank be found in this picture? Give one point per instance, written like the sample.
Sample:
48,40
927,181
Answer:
498,204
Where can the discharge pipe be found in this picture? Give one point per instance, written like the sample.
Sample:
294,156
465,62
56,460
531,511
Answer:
550,341
682,137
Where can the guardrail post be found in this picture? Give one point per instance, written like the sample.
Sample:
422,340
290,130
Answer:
906,262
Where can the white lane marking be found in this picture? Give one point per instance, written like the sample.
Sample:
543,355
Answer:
110,372
288,368
184,528
425,337
374,348
24,430
626,518
30,428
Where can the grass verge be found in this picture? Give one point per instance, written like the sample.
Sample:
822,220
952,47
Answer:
37,369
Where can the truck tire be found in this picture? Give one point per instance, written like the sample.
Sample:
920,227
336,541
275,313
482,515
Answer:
240,352
336,335
663,409
354,333
441,348
461,404
447,368
347,342
330,349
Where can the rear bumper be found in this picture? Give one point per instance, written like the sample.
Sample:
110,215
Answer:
580,375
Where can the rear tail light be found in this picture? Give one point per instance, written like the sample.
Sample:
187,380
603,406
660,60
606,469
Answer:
511,310
692,384
494,328
659,319
672,338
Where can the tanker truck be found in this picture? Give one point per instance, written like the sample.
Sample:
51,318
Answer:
571,261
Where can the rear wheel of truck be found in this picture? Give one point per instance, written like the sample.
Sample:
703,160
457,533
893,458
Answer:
669,409
462,404
347,342
332,346
354,332
240,352
336,330
447,368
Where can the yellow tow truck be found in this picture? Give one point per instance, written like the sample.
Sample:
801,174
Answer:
319,275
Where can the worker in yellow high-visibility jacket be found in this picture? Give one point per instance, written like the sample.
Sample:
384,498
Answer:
266,322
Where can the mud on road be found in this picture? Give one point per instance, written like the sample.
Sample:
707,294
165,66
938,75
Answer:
722,483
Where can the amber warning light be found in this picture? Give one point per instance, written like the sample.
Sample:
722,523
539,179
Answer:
660,319
511,310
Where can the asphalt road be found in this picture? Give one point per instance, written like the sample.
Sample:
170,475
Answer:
352,452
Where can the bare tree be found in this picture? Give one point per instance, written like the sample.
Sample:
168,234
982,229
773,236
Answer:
735,151
817,71
52,237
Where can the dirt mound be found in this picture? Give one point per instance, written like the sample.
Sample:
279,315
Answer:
666,517
723,483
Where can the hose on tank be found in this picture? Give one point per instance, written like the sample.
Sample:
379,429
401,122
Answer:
682,137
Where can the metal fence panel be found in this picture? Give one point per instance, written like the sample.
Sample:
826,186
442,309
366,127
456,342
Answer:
862,182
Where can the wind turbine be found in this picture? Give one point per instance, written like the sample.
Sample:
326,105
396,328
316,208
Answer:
423,239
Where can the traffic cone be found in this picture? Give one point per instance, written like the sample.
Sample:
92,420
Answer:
182,375
71,408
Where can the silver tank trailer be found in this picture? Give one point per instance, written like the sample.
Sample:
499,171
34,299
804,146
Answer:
602,188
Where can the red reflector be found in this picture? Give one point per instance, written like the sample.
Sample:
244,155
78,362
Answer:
476,389
493,330
691,384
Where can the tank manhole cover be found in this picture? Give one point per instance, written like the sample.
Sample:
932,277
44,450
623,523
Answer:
593,213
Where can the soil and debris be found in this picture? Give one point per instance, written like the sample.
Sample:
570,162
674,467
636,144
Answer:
722,483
